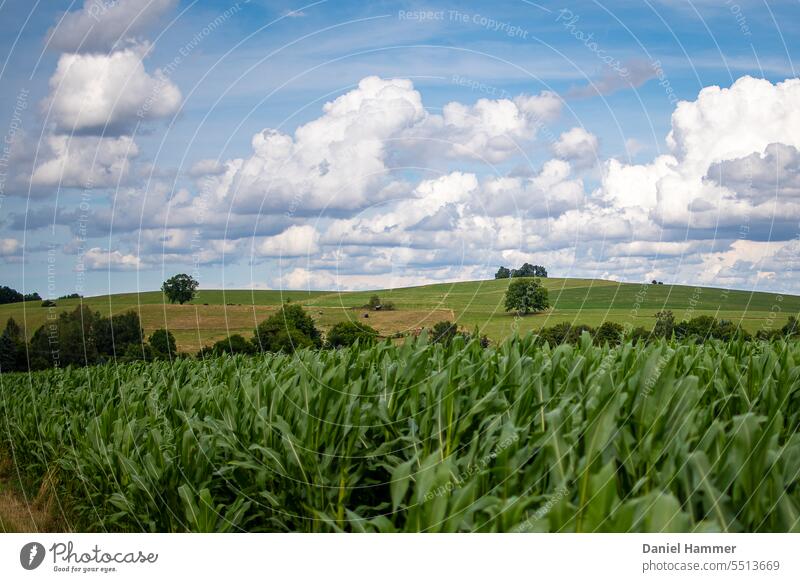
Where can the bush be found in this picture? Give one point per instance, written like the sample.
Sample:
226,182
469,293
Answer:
234,344
526,296
48,303
792,327
347,333
163,343
443,332
564,333
665,324
701,328
610,332
137,352
375,304
289,329
640,335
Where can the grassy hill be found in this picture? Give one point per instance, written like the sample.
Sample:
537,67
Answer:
216,313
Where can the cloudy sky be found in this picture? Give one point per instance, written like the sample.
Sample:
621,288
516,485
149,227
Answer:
350,145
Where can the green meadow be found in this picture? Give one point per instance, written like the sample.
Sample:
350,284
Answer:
217,313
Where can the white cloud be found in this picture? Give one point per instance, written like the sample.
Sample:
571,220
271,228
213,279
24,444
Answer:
102,25
10,247
492,129
721,125
97,259
338,161
295,241
84,161
107,93
578,146
207,167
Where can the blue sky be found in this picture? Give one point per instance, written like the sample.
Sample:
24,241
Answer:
365,145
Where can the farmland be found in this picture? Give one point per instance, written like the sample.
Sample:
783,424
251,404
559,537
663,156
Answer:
664,436
214,314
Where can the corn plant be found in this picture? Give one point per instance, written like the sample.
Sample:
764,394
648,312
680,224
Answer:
422,437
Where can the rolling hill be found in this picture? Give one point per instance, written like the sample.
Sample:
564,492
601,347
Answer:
216,313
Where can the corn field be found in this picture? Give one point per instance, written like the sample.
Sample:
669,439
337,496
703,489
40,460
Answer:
422,437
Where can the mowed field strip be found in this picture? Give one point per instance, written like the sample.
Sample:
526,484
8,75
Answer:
215,313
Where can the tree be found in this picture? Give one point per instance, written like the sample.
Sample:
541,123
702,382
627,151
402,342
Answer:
526,296
289,329
347,333
9,295
113,335
12,348
163,343
502,273
68,340
180,288
528,270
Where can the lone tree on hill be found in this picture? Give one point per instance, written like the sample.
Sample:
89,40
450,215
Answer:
180,288
526,296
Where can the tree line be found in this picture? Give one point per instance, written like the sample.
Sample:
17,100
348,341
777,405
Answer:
526,270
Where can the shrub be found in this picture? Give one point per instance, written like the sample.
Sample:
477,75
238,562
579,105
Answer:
163,343
48,303
792,327
347,333
136,352
665,324
610,332
443,332
289,329
375,304
234,344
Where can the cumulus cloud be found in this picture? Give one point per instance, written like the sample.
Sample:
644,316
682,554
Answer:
722,129
577,145
84,161
107,93
491,129
97,259
102,25
340,160
295,241
208,167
